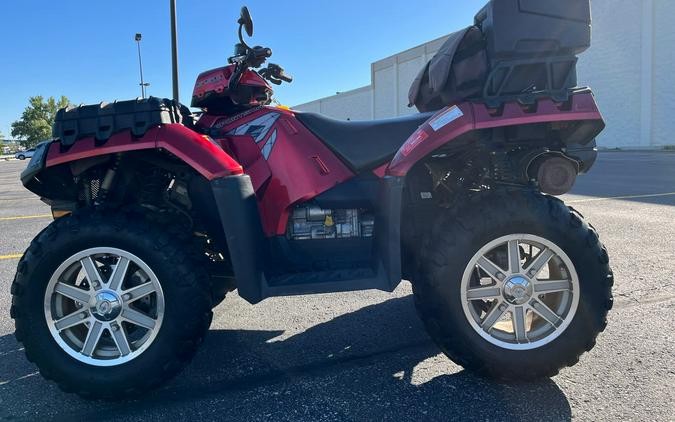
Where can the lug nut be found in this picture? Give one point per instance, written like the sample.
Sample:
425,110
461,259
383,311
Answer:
126,296
500,276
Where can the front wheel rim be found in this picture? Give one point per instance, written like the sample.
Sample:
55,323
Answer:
520,292
104,306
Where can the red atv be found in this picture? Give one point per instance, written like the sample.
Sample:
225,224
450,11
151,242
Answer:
159,213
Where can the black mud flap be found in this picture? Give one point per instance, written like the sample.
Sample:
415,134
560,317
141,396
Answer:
238,210
388,231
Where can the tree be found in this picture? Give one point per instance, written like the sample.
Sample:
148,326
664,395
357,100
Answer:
36,121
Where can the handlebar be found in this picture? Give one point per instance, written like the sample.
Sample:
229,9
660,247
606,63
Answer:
257,55
246,57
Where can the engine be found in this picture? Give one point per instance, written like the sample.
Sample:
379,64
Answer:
309,222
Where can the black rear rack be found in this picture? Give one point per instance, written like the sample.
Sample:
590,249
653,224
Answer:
550,77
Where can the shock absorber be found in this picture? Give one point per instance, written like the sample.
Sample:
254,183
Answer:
108,180
153,186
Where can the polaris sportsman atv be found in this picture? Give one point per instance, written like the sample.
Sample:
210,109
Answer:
158,213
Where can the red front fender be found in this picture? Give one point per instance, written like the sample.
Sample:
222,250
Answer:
198,151
452,122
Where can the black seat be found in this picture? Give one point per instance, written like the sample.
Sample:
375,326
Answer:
363,145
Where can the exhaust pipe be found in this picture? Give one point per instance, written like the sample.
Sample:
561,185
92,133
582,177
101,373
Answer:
555,174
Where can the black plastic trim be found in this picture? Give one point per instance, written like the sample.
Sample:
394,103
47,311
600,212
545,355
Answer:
36,163
384,273
585,155
246,242
358,192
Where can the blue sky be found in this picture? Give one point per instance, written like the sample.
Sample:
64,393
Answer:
85,49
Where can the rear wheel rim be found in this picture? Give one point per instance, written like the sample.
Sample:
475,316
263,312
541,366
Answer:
520,292
104,306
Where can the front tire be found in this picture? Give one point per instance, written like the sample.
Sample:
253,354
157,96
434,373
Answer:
108,305
513,285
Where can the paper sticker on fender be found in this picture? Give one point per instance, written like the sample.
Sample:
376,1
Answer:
415,140
445,118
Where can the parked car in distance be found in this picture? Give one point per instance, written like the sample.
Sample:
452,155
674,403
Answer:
22,155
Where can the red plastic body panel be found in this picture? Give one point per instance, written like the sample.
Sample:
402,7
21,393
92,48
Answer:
294,167
477,116
217,80
250,157
381,171
199,152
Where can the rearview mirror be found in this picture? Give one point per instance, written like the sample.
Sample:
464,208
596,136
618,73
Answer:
246,21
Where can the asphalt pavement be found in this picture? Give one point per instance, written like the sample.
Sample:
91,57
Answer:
365,355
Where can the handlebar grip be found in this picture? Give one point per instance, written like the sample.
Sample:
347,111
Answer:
284,77
259,52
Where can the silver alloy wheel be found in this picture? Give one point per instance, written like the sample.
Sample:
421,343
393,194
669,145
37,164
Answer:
520,292
104,306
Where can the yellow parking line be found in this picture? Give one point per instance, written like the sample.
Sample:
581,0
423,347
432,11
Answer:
14,256
25,217
654,195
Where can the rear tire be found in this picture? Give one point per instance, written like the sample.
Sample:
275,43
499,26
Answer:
180,286
21,157
469,331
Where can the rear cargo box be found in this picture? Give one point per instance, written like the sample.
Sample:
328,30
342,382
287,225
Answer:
103,120
525,50
516,29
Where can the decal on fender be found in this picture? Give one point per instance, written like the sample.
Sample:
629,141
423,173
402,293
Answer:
257,128
445,118
267,149
414,140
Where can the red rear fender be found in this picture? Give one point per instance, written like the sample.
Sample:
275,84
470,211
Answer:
451,123
199,152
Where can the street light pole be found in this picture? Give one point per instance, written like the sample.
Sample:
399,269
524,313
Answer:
174,50
140,65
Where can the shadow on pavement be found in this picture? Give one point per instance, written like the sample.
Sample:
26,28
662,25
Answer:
365,365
